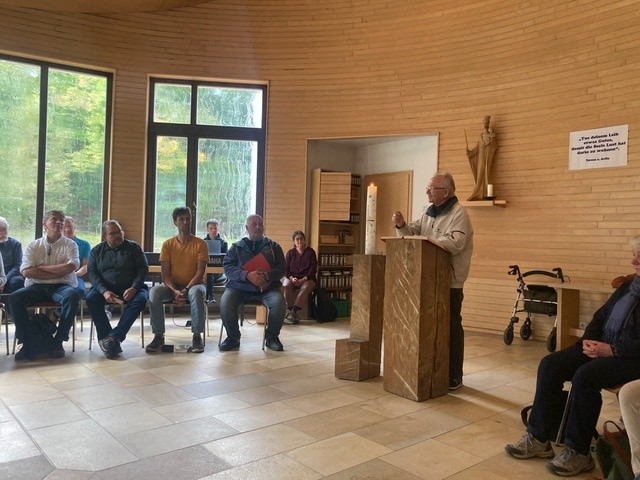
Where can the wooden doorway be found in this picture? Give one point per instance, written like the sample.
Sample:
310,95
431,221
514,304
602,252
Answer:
395,191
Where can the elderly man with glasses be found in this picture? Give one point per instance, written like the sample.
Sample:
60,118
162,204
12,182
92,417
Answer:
48,266
447,222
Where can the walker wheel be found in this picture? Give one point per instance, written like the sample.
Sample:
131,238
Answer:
551,339
507,336
525,331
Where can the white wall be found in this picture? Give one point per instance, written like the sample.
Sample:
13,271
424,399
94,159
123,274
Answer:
419,154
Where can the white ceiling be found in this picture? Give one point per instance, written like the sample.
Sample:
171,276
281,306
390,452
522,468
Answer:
101,6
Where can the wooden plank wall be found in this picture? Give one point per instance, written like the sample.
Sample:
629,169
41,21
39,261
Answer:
343,68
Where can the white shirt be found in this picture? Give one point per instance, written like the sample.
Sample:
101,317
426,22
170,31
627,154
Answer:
40,252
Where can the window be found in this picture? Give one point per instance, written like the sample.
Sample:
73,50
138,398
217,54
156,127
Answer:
206,151
54,131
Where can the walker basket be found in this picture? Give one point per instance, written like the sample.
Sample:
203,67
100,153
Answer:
540,299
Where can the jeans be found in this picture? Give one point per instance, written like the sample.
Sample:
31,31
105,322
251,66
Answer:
588,376
130,311
65,295
456,335
161,293
232,299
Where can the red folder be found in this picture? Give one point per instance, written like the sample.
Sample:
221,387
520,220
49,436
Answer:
259,262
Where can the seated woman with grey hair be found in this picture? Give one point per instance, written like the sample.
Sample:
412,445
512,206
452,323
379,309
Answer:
607,356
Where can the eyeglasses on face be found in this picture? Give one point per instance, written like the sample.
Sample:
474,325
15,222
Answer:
431,188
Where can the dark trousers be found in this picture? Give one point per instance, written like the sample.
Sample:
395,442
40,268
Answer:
65,295
456,339
588,376
130,311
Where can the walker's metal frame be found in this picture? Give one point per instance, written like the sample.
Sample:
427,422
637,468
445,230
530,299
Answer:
533,299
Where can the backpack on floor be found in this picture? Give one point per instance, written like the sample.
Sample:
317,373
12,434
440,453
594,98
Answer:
322,308
40,331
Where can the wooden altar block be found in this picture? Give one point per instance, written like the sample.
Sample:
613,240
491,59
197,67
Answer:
358,357
416,318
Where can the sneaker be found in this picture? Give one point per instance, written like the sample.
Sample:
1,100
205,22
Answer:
211,300
528,447
197,346
105,343
295,317
274,344
110,346
156,344
569,463
229,344
288,318
57,351
455,383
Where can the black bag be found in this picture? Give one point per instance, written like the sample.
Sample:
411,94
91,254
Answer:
322,308
613,452
40,331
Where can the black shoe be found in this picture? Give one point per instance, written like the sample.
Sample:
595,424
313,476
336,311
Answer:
455,383
197,346
105,343
229,344
156,344
22,355
110,346
57,351
274,344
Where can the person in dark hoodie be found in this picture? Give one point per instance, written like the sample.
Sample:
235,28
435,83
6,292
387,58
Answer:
254,266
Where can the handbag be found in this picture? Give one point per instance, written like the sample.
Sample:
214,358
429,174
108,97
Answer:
613,453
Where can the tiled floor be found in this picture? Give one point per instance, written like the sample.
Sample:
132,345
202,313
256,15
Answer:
260,415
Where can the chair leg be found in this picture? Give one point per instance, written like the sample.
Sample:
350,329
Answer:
142,327
563,422
90,335
4,318
264,331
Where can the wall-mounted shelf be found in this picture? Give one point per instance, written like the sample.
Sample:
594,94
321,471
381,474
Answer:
484,203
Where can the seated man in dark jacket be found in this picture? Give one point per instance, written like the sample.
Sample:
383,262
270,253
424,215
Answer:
117,270
254,267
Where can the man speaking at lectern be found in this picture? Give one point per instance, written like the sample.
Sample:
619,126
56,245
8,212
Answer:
447,222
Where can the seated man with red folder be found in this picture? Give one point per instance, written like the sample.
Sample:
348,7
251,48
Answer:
253,266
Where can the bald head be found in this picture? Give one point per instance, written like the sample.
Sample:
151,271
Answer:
255,227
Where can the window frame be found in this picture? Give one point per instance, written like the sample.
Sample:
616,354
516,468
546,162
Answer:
195,132
45,67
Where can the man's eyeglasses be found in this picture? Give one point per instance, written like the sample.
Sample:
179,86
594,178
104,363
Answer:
430,188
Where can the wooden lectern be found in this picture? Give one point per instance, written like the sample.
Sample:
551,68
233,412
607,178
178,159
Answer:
358,357
416,318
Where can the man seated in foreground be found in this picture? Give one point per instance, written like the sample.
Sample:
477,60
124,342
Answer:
117,271
183,260
254,266
48,266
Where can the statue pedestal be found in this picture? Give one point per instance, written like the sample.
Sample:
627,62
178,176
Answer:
358,357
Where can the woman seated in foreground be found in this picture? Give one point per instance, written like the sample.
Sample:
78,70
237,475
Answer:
607,355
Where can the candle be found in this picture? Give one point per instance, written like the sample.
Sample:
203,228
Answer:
490,190
370,233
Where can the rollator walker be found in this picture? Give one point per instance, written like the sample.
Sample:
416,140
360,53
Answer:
533,299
